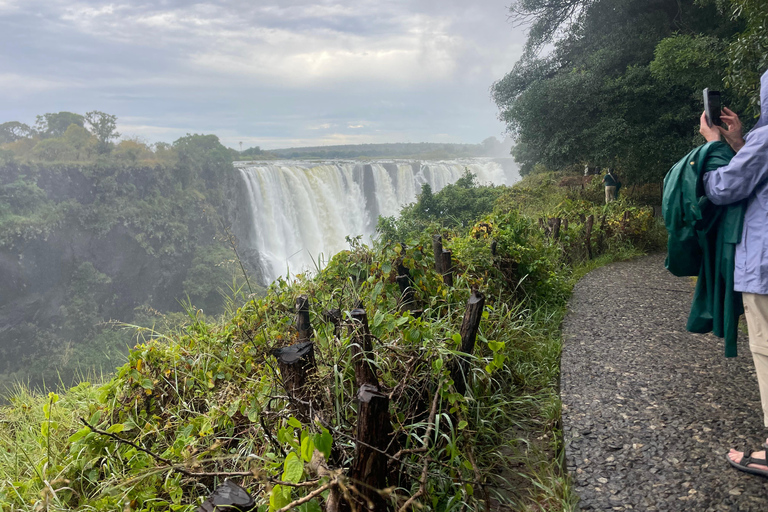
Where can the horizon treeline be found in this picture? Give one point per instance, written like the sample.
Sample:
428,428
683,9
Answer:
71,137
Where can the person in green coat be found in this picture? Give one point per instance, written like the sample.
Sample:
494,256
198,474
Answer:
745,180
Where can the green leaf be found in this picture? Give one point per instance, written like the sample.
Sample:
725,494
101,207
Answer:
437,365
307,447
324,442
279,497
496,345
310,506
116,428
456,338
79,435
95,417
294,422
377,318
293,468
463,424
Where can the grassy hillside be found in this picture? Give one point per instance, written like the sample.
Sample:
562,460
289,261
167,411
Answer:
195,405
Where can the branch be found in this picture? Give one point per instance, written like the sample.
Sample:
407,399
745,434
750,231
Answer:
430,427
425,446
165,461
306,498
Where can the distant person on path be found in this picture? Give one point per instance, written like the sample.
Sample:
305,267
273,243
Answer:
611,182
746,177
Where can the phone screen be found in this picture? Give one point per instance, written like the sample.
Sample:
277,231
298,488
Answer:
712,107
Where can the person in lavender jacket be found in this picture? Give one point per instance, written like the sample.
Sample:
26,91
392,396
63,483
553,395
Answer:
746,177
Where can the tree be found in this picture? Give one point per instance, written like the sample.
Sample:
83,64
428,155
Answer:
104,127
621,88
13,131
52,150
748,52
202,156
80,140
54,125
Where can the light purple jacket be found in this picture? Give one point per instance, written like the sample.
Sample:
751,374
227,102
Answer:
746,177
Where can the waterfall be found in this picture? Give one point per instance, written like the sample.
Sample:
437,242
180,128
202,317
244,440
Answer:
301,212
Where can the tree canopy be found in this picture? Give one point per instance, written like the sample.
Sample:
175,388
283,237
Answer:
622,84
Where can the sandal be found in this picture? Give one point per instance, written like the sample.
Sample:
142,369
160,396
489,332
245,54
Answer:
746,460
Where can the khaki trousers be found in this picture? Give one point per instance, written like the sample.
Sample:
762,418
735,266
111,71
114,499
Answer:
756,311
610,194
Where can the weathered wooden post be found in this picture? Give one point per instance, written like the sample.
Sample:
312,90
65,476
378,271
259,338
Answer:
601,235
407,300
588,235
302,318
333,316
469,328
447,264
297,364
437,249
361,348
556,228
624,221
368,473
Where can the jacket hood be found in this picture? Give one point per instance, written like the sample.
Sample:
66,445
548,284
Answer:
763,121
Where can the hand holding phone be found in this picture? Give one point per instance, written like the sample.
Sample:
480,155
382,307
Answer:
712,107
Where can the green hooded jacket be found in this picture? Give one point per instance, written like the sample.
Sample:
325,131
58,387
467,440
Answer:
702,242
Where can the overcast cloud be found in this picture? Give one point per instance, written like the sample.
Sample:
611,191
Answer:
267,73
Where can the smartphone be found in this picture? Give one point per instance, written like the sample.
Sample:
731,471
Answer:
712,107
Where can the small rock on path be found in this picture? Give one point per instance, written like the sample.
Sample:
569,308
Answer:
649,409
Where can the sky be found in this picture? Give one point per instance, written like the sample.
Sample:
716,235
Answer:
265,73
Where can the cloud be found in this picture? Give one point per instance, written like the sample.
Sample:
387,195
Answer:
288,70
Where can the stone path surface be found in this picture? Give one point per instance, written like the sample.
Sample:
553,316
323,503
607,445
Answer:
650,410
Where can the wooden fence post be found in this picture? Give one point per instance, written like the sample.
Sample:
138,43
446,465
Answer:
469,328
437,249
368,473
588,235
447,266
302,318
297,364
406,291
361,348
556,228
333,316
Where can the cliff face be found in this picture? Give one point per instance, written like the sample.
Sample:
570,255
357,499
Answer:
81,245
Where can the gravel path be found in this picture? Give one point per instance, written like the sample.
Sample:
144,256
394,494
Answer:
650,410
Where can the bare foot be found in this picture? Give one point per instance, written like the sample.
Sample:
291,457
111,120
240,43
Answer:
736,457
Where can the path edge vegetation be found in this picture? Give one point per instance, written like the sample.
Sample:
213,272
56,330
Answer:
205,401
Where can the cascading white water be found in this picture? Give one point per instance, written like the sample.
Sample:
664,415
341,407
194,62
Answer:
302,211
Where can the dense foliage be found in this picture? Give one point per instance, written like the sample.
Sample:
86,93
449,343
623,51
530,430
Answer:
621,87
196,403
456,205
122,235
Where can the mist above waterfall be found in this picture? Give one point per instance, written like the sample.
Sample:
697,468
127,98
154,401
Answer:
302,212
